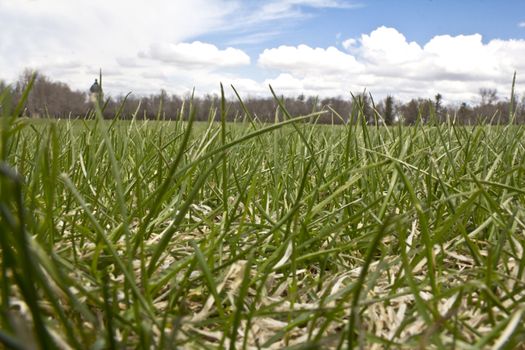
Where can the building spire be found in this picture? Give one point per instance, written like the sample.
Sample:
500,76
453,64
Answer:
96,92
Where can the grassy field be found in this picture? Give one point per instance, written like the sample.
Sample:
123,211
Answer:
179,235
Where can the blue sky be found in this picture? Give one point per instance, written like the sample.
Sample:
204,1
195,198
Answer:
418,20
316,47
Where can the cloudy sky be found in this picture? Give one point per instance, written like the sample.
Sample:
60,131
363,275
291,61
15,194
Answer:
406,48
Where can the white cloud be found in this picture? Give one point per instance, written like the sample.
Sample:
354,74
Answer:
388,46
49,35
521,24
252,14
310,85
348,43
304,60
141,47
385,62
196,55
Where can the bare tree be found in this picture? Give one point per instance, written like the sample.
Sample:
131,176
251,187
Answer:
50,99
488,96
54,99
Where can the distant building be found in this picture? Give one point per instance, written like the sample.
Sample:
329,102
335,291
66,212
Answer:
95,92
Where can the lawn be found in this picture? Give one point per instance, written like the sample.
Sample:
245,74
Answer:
140,234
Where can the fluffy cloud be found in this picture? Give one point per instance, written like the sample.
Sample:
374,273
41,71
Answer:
521,24
141,47
386,46
70,40
197,54
311,85
304,60
348,43
384,62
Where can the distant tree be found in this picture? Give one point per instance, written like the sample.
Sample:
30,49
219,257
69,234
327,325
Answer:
437,106
337,109
488,109
3,86
56,99
438,98
389,110
465,114
24,79
50,99
520,112
313,104
410,112
364,106
488,96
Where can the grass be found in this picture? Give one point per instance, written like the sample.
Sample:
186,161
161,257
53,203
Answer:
178,234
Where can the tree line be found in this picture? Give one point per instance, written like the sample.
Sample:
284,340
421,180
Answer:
52,99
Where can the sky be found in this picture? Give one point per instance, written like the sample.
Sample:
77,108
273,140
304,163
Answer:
403,48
